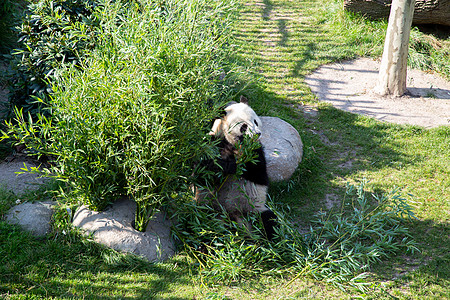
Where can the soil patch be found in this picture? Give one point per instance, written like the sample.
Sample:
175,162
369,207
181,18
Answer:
349,85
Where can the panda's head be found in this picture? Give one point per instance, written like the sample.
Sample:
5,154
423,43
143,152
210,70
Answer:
239,120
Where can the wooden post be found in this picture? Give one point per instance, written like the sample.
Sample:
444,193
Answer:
392,74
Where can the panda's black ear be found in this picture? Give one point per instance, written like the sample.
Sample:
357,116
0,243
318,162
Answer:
243,99
224,110
229,104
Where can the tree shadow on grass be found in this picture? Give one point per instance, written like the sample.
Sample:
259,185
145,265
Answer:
340,137
283,31
267,10
78,268
422,273
338,143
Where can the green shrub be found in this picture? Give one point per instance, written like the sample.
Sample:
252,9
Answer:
9,16
133,117
53,33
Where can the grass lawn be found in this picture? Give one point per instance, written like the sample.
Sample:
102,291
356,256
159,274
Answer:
283,40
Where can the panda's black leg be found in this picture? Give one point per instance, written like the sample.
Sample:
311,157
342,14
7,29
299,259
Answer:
268,219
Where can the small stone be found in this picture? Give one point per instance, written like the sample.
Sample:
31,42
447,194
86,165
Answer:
33,217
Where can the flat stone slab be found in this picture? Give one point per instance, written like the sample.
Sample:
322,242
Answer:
18,183
283,148
33,217
113,229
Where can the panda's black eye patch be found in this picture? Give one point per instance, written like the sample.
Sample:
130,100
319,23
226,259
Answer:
244,128
256,123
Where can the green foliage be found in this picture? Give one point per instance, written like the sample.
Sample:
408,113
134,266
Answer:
53,33
338,249
427,53
9,13
7,199
132,118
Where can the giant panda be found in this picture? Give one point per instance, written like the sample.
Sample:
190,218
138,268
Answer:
239,195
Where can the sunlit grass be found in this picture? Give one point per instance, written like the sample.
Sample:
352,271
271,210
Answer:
283,41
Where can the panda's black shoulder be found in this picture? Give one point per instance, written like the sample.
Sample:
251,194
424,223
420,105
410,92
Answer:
256,171
226,149
227,159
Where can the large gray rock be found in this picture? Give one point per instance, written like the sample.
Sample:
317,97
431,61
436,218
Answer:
112,228
283,148
33,217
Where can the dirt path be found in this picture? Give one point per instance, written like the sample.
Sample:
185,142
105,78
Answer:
348,86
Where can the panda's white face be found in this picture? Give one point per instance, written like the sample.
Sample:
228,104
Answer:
240,120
